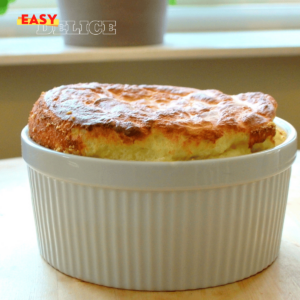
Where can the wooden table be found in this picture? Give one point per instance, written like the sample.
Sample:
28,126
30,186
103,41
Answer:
25,275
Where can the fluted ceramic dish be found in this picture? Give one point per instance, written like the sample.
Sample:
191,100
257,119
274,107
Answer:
160,226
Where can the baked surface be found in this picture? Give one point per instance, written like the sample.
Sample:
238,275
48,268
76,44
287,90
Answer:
152,122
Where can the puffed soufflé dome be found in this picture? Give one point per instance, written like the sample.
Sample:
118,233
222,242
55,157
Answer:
152,122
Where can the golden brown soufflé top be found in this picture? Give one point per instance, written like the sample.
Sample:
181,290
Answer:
131,113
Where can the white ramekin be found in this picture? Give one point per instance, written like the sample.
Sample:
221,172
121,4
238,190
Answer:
160,225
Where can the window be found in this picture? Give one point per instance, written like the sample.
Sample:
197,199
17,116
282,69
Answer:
30,4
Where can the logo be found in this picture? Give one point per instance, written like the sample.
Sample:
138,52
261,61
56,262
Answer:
49,24
41,20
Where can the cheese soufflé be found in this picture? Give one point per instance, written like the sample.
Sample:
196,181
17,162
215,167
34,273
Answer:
153,122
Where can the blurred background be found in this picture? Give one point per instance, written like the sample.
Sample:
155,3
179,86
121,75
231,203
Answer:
274,73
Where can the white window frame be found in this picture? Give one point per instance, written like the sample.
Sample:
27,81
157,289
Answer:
234,17
235,2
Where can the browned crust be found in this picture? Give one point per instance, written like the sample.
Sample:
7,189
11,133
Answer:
128,113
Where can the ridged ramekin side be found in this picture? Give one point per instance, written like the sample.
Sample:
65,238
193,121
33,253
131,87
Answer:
159,240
